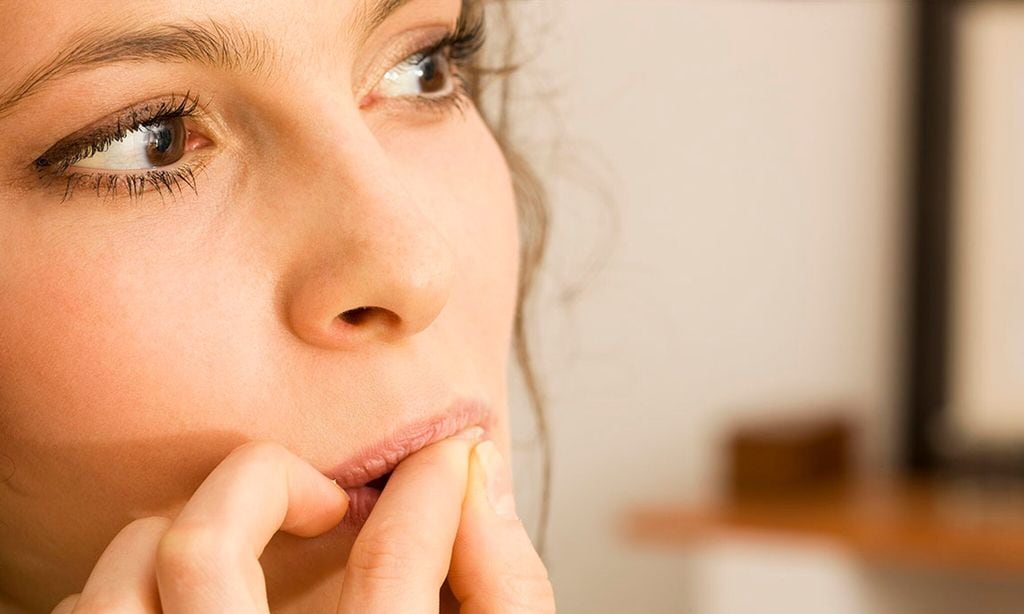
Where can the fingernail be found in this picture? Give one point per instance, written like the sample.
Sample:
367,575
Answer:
499,480
473,433
344,493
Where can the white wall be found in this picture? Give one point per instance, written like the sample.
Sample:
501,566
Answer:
752,154
727,192
988,331
728,201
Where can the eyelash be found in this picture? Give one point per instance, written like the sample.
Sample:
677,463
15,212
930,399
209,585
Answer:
54,164
460,46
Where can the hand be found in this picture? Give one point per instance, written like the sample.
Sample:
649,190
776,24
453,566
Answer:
401,557
207,559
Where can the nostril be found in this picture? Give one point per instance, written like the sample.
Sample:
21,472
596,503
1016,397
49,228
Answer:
356,316
369,317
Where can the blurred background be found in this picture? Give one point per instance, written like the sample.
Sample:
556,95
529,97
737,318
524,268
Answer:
780,327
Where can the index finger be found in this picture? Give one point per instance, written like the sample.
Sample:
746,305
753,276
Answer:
208,560
401,556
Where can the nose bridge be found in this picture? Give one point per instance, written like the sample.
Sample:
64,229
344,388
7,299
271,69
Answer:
393,246
372,263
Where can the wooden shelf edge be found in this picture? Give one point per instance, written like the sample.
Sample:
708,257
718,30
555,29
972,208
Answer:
899,523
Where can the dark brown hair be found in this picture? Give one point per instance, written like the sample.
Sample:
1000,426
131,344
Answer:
533,221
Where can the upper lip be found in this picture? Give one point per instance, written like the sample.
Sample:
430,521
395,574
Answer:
381,457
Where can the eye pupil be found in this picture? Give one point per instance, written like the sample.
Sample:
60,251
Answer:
432,77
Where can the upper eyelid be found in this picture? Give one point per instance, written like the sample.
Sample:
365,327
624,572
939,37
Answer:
108,125
123,120
428,40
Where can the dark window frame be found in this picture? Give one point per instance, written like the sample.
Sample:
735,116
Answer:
931,242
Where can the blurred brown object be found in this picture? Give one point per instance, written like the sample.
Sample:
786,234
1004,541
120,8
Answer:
789,456
795,478
927,524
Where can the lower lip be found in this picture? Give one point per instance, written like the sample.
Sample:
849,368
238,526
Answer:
361,501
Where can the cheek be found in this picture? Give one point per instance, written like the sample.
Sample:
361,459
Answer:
111,355
97,333
162,327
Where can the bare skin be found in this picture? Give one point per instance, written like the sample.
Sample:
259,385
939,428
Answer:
321,265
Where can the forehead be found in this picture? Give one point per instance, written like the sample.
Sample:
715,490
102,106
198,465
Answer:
38,31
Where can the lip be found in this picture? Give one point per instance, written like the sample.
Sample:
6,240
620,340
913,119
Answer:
381,457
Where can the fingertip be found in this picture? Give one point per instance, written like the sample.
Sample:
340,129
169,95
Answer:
494,566
345,499
493,479
472,434
339,491
476,491
340,501
319,514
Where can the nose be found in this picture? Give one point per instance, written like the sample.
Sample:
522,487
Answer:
373,265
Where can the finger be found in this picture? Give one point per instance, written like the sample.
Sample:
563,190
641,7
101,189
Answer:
494,566
123,579
208,560
401,556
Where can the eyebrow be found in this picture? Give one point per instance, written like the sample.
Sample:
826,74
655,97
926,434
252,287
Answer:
209,43
371,15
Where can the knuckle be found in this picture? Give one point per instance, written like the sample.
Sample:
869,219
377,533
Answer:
190,555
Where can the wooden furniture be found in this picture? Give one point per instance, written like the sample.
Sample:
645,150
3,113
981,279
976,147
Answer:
938,524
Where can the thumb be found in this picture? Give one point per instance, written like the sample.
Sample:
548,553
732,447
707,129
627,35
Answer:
494,565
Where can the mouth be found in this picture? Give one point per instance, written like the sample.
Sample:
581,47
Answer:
365,475
379,483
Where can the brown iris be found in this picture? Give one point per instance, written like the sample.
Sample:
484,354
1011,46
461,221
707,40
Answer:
165,141
433,71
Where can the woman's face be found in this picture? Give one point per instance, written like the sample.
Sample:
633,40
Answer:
143,337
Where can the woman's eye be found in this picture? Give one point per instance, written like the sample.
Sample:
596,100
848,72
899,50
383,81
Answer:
156,144
426,76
